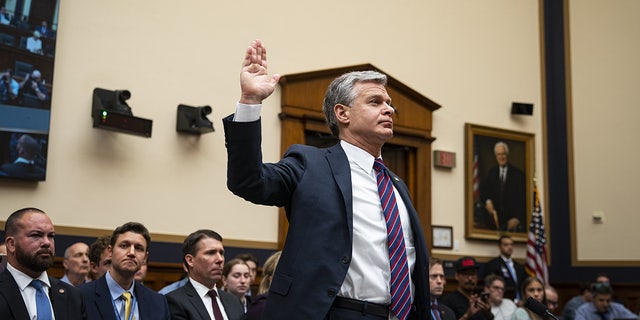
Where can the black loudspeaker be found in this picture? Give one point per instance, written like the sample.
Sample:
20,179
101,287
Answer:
194,119
522,108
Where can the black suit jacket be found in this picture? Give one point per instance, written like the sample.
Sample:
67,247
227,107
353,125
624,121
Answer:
445,313
499,267
66,300
23,170
185,303
151,305
509,200
314,187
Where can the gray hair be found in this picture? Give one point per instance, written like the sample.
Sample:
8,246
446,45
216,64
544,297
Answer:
341,91
501,143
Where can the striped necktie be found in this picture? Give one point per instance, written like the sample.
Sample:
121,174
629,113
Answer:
400,285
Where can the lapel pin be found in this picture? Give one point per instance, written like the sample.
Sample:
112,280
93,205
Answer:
61,291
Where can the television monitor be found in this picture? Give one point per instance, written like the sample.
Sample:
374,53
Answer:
27,53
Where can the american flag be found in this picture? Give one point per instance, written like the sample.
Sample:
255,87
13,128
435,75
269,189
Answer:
476,183
537,244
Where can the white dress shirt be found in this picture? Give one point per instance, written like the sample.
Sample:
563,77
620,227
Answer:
203,293
28,292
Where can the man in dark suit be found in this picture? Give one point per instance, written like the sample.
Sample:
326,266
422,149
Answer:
25,165
199,298
439,311
116,295
504,193
30,251
512,271
335,263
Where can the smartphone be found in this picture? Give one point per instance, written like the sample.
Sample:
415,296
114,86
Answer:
484,296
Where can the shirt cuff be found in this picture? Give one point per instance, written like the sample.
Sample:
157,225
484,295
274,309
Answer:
247,112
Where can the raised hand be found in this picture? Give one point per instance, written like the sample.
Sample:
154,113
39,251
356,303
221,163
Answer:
255,82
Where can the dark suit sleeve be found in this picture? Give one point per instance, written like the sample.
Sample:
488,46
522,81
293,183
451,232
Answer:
448,314
176,308
249,178
67,301
232,306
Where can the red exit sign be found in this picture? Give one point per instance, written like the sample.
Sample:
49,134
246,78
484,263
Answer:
444,159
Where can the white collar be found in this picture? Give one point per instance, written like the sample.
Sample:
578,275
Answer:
24,280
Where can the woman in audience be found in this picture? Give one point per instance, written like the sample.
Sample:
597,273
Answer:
531,287
260,301
236,279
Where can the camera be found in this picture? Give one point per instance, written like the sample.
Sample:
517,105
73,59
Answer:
484,296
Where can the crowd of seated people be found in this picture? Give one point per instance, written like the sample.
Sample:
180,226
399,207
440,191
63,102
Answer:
104,279
31,91
595,301
109,274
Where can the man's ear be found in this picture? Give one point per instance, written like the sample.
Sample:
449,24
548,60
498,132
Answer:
342,113
10,243
189,261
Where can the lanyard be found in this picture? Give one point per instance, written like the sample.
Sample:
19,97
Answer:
134,306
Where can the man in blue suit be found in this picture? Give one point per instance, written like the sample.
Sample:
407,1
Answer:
335,263
116,296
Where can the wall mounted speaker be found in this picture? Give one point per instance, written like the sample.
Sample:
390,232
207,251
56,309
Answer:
521,108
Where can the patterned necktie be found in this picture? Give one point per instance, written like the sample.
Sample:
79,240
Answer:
217,314
435,311
400,287
42,301
126,296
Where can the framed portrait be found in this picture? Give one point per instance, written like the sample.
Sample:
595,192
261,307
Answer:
442,237
498,182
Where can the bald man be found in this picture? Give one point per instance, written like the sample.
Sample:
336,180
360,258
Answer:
76,264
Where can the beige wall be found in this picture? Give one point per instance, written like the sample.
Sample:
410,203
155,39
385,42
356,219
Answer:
605,80
472,57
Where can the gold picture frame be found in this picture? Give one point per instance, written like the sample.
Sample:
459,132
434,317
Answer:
498,203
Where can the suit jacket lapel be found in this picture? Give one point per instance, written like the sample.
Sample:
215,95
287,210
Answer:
196,301
58,296
9,289
337,159
103,301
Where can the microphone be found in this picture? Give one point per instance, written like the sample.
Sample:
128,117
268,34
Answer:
539,308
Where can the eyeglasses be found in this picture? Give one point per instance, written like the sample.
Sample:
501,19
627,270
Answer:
497,288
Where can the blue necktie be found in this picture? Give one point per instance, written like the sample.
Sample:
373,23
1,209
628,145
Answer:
400,287
509,264
42,301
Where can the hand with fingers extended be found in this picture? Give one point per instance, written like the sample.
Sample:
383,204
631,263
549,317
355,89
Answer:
255,82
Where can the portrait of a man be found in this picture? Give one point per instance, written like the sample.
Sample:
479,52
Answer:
499,167
503,193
